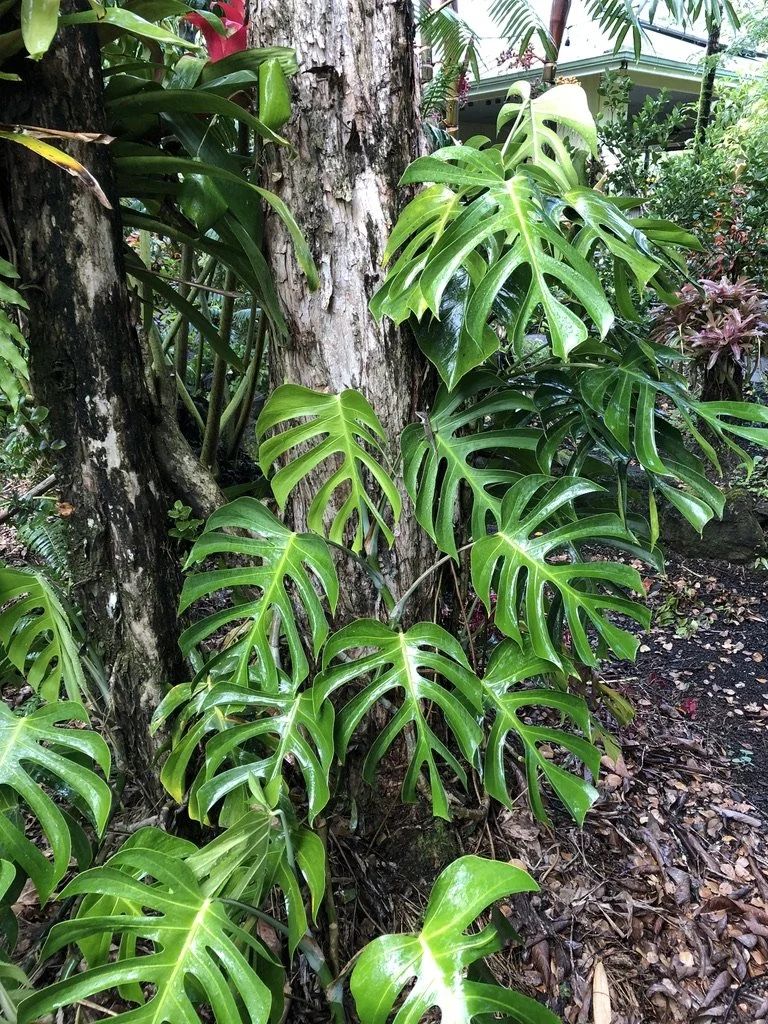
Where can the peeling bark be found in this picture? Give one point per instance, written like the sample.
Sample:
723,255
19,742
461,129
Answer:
87,368
356,128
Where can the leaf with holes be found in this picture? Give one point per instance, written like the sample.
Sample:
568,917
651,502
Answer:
404,662
529,583
343,426
283,556
34,742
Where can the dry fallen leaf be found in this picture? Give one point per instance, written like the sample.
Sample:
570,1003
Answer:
601,996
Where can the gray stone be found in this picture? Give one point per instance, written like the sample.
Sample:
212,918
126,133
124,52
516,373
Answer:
738,537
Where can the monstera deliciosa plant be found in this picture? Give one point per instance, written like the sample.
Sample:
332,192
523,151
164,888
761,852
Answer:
519,472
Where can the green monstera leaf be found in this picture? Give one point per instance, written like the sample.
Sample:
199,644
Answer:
36,633
401,661
283,555
164,904
436,959
453,446
515,208
522,550
35,743
501,233
14,374
285,730
341,425
624,395
509,666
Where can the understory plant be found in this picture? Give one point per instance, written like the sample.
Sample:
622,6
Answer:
519,472
721,326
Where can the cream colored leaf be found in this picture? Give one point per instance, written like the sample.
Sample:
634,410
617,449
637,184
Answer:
601,996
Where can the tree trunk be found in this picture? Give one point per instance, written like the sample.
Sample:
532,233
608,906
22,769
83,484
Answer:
558,16
707,92
87,367
356,128
723,385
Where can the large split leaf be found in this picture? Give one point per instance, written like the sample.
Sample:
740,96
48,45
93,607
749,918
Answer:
342,426
284,730
641,254
509,666
533,138
34,743
436,958
528,581
505,235
439,455
515,209
14,374
625,395
174,933
404,662
266,604
36,633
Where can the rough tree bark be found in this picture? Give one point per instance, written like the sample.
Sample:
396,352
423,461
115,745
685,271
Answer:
356,128
87,367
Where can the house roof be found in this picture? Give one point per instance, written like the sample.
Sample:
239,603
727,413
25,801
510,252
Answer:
676,73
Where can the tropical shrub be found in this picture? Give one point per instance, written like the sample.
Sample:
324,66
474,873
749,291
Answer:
632,147
547,397
721,190
720,324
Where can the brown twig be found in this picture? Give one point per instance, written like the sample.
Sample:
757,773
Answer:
33,492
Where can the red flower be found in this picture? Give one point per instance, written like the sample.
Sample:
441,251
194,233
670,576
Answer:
233,20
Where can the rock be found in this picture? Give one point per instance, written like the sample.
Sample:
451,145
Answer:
737,537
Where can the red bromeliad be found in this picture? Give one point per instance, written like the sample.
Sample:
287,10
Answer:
234,21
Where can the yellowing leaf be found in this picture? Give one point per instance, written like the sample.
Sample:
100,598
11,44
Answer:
61,160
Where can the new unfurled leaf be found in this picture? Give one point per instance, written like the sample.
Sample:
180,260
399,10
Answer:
39,21
533,138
